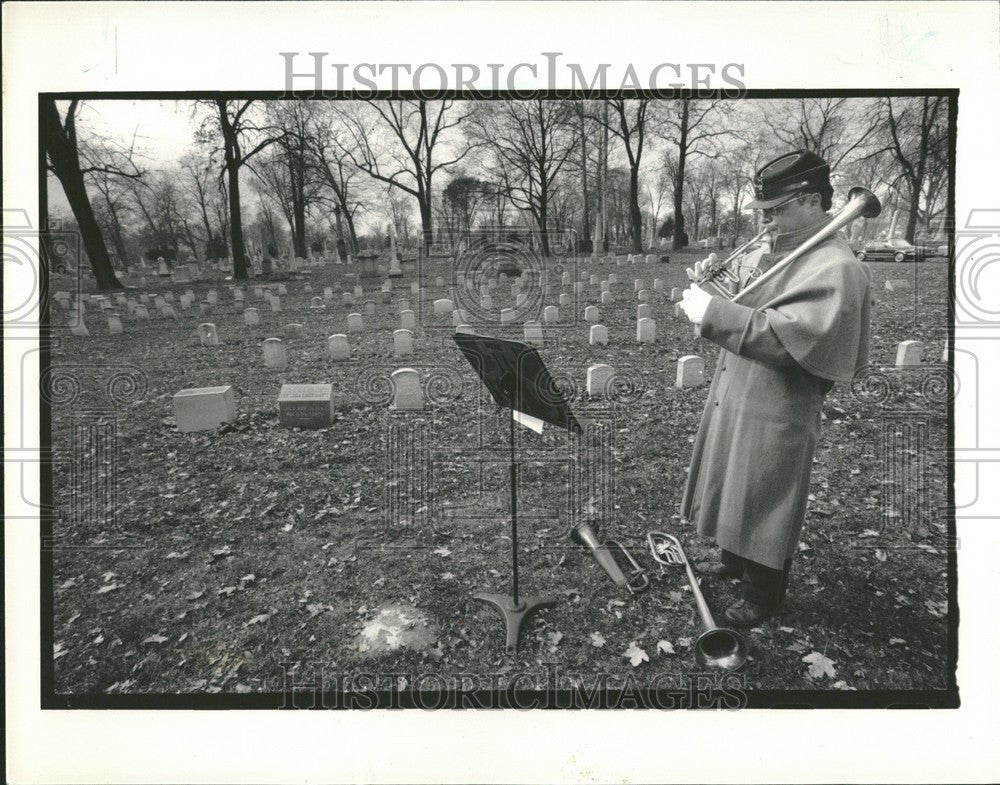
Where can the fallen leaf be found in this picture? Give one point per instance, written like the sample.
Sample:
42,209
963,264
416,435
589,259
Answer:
665,647
258,619
442,551
109,587
156,639
554,638
597,640
819,664
636,655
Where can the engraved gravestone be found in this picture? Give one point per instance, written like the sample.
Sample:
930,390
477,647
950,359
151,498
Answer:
305,405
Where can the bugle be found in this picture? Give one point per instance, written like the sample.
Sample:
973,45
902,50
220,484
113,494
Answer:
717,648
637,581
861,203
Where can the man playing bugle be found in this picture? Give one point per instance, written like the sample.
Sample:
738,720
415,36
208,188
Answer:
782,348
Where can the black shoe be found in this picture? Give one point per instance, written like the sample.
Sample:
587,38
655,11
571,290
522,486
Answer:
718,570
744,613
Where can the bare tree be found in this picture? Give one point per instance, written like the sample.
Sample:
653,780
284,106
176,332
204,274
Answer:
417,130
917,135
242,138
527,144
628,124
335,168
63,154
834,128
693,128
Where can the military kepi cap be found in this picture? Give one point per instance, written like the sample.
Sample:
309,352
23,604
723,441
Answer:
800,172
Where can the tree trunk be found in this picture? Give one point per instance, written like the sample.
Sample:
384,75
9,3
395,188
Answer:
583,170
61,146
426,220
236,224
678,240
635,214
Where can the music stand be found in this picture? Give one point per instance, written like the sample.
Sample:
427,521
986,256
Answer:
517,379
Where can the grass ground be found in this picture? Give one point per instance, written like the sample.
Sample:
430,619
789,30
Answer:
222,555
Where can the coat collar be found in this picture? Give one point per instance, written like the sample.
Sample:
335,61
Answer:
789,241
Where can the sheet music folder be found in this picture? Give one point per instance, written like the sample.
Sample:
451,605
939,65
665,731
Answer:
517,378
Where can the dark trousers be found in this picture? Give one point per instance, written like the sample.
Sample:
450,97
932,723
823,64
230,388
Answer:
759,584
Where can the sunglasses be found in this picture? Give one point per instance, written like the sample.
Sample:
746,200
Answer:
783,204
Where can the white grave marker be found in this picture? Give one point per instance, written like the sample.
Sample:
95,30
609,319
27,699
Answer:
275,355
204,408
690,371
407,395
338,348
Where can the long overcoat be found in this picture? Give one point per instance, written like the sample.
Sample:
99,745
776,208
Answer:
783,346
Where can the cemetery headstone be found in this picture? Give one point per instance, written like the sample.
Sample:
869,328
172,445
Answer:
443,306
598,335
591,313
599,379
355,324
506,315
208,334
402,343
909,354
251,317
690,371
338,348
291,331
533,334
305,405
551,314
204,408
407,395
645,331
275,355
643,311
607,298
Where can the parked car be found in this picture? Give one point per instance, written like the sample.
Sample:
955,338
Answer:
895,250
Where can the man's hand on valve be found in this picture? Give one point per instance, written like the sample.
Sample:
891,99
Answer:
696,272
695,302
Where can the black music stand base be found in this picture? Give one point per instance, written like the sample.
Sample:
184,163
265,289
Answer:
515,613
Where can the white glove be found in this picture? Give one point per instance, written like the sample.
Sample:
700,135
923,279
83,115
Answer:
694,273
695,302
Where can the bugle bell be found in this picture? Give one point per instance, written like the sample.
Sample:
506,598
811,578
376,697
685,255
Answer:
636,582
